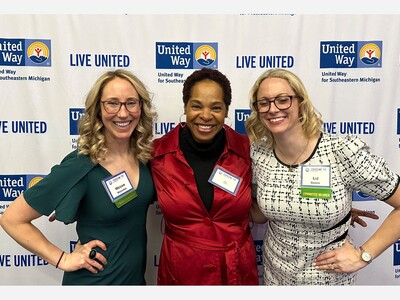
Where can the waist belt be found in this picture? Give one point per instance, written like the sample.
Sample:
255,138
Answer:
229,252
206,244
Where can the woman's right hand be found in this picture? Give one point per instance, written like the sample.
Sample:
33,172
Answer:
79,258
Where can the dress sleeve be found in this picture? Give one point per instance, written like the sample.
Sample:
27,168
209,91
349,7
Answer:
62,189
364,171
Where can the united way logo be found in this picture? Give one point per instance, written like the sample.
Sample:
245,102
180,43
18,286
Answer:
33,179
258,246
241,116
396,254
370,54
206,55
360,196
38,53
182,55
15,185
351,54
75,114
398,121
25,52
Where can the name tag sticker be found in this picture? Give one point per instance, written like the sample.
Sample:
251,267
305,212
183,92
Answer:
225,180
119,189
316,181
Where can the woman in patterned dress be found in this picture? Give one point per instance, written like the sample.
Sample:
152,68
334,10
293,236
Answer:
303,180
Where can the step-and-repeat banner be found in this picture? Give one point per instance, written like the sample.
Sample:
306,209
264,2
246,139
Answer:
48,63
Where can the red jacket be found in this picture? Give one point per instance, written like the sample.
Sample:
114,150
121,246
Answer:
200,247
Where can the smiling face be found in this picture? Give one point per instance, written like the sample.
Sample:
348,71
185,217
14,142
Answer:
279,121
205,110
119,126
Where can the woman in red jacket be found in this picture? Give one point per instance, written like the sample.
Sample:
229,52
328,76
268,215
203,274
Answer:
202,170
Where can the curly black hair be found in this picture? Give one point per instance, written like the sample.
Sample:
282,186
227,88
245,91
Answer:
207,74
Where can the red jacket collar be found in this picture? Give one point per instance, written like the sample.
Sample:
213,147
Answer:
168,143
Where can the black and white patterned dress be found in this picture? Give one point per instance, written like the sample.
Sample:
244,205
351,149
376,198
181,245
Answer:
299,229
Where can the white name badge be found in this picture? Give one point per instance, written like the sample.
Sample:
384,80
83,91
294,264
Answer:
225,180
316,181
316,176
119,189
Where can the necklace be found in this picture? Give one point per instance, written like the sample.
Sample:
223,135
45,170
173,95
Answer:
295,161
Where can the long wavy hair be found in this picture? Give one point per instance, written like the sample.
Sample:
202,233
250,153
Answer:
92,140
309,117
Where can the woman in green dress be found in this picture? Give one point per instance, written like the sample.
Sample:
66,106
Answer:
105,186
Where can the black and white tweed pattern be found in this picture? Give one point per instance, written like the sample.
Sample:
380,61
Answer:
299,229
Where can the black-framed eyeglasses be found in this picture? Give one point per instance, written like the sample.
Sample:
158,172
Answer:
281,102
114,106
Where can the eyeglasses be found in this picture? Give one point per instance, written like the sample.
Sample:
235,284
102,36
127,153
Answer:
114,106
282,102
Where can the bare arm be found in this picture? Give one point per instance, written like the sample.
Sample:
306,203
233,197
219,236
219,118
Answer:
17,222
389,231
347,258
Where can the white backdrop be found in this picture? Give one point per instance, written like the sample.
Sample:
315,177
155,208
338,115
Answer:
49,62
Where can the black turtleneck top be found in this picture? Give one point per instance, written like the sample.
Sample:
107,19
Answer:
202,158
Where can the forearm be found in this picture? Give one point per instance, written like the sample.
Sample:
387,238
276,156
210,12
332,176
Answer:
17,222
386,235
32,239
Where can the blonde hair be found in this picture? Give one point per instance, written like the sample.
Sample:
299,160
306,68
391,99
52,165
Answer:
310,118
92,141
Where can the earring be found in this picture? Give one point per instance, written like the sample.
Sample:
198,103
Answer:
183,124
227,119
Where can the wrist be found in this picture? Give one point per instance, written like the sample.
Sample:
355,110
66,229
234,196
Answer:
58,262
365,255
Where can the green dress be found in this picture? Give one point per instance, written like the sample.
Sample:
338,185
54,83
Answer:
75,191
